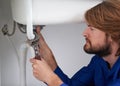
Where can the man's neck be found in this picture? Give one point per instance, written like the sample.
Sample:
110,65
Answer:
111,59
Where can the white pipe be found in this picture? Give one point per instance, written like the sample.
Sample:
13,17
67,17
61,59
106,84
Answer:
30,34
22,62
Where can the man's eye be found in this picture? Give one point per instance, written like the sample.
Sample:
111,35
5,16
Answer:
91,28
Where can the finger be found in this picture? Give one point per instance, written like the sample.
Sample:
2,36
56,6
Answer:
38,29
34,72
33,67
33,60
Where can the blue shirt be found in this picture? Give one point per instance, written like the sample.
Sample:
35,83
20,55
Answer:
97,73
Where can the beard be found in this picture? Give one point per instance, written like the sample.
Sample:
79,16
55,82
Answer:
101,50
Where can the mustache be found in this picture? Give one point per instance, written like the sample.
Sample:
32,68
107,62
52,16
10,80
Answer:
87,40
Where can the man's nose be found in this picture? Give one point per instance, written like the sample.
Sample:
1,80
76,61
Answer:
85,32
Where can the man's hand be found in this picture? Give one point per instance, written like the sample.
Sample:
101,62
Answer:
43,72
45,51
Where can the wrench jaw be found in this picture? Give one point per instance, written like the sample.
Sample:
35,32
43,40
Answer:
35,44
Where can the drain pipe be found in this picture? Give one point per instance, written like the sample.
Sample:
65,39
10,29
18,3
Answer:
22,62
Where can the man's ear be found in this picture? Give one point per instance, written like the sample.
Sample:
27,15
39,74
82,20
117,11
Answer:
110,38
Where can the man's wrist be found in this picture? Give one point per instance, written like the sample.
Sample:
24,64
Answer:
54,80
63,84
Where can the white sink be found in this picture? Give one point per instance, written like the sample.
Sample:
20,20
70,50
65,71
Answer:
46,12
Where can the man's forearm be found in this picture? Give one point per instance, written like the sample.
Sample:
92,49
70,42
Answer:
46,52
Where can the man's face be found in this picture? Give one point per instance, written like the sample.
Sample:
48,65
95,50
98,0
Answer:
97,42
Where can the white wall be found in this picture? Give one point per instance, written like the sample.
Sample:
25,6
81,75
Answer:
66,42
